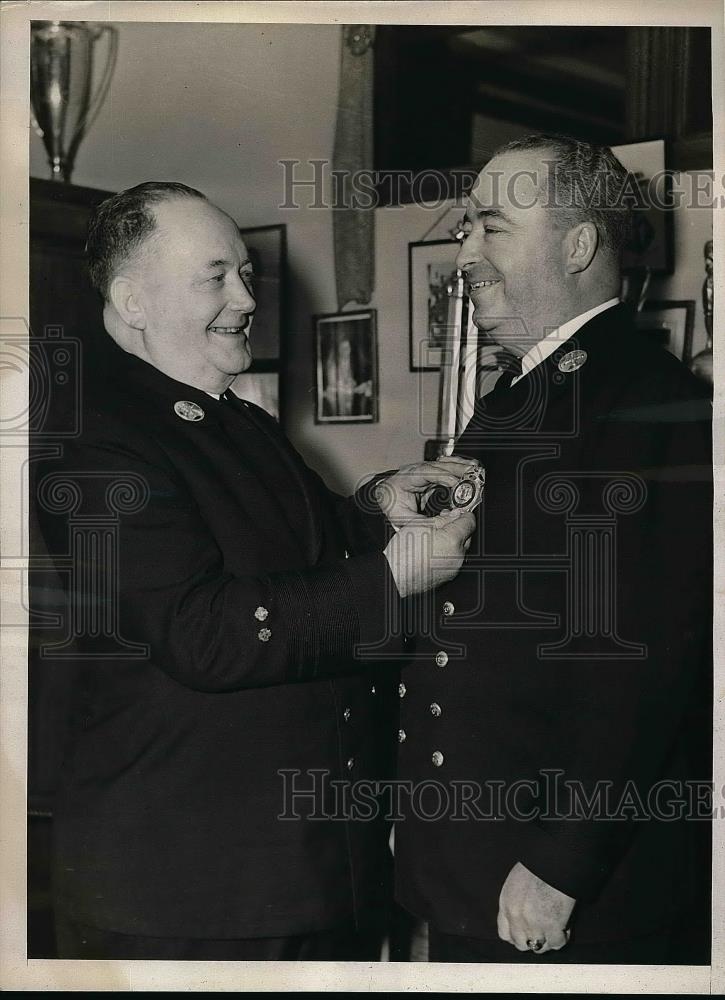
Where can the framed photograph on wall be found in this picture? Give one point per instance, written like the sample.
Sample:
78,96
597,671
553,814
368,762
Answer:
651,244
267,248
431,276
346,365
670,324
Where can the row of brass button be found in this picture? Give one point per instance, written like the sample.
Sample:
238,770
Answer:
436,757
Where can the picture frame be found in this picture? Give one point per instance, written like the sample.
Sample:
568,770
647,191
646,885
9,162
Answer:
267,249
671,324
262,382
346,367
651,247
431,268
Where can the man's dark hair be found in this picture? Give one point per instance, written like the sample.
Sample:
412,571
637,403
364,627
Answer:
120,225
586,183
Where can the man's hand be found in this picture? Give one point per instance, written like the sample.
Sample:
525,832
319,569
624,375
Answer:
429,551
400,495
530,911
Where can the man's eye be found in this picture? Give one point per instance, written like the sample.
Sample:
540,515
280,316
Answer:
247,275
217,278
491,229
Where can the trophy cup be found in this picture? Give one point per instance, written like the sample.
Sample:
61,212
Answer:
701,364
61,86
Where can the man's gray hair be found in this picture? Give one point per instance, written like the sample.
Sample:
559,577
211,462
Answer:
586,183
122,223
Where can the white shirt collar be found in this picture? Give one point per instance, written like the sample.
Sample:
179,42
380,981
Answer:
548,344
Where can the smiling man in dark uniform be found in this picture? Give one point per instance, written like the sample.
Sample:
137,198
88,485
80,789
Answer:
564,679
238,589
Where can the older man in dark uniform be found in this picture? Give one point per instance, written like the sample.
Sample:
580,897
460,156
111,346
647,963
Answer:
239,589
557,708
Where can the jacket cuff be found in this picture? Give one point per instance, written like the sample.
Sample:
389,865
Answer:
378,602
340,617
574,864
365,500
322,621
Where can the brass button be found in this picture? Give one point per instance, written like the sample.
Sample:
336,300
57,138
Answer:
350,763
261,614
346,715
448,608
372,689
402,736
264,635
441,658
437,758
401,690
435,709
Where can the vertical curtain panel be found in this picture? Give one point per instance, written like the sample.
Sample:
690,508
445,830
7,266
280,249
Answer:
353,224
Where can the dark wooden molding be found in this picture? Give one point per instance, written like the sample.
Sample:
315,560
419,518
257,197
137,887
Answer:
59,212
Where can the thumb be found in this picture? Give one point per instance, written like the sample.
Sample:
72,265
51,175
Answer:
457,522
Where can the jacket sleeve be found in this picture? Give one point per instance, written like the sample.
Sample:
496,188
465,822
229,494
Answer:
366,527
622,719
208,629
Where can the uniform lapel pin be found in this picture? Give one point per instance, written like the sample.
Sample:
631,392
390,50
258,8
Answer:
187,410
573,360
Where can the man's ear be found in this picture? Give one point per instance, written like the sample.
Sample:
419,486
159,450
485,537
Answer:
125,299
580,247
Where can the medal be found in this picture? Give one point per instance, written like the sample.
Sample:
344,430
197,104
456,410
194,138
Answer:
187,410
573,360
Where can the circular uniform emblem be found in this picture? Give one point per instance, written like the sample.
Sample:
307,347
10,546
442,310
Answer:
187,410
463,493
573,360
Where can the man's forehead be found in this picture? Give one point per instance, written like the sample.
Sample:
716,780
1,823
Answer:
196,228
509,182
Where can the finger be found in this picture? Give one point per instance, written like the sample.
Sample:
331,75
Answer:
458,462
537,942
425,478
462,526
519,937
504,931
458,524
558,940
455,465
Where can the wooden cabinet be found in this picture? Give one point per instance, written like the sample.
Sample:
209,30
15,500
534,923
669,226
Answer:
67,343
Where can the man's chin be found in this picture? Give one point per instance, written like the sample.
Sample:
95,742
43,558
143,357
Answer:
246,360
243,365
486,324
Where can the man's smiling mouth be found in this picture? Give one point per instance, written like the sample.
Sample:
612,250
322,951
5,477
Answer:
228,329
473,285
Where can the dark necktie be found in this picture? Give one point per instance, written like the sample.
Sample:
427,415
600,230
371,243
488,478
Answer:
230,399
511,369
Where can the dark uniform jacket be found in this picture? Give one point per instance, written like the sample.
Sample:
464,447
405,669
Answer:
215,615
568,660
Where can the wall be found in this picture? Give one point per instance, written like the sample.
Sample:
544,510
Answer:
217,106
692,227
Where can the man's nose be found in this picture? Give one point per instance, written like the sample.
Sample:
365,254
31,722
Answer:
241,296
466,256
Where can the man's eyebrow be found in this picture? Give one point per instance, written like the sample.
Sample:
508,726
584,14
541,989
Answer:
225,263
492,213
